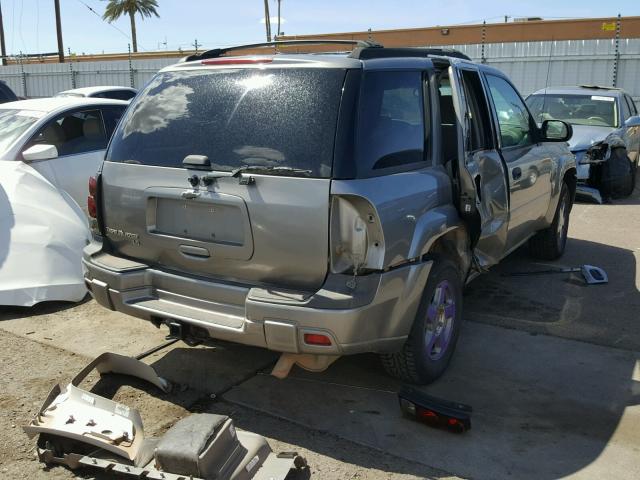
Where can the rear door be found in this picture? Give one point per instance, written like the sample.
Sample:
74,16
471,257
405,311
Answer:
483,186
530,164
257,227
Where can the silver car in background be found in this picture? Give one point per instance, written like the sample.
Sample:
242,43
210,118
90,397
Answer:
606,135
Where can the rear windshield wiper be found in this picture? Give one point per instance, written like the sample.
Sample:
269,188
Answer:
237,173
270,170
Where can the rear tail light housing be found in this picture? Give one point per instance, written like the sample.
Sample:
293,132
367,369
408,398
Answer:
92,203
357,240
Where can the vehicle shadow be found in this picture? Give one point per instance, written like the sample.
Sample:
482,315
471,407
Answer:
535,396
562,304
43,308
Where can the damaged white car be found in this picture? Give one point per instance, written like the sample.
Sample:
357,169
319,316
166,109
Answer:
42,233
48,150
606,135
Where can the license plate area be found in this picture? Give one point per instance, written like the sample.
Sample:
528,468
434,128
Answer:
216,222
205,221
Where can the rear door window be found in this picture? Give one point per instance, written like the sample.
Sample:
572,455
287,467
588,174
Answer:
391,121
275,117
116,94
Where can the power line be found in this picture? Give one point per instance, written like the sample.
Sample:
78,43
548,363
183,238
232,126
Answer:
108,23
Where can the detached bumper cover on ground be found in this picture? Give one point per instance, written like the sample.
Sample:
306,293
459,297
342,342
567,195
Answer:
42,233
78,428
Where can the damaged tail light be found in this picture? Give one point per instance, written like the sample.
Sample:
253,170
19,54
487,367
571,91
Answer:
93,201
435,412
357,240
92,207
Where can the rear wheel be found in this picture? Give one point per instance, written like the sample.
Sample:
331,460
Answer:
432,340
549,244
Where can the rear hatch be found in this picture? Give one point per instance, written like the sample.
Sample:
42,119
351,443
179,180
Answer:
267,225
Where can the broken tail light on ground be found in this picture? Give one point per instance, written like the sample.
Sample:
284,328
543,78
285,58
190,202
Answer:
435,412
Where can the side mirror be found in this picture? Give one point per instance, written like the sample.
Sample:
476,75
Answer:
40,152
633,121
556,131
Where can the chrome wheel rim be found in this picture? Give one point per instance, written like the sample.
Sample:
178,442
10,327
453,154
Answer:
441,315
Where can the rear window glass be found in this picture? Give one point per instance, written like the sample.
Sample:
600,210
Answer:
264,117
391,130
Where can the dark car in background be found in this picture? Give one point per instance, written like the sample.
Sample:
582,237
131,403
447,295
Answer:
606,135
6,94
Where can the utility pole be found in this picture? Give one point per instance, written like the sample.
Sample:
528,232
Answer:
196,45
279,3
267,20
59,31
2,47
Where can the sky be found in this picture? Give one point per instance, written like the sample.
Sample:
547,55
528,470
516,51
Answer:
30,24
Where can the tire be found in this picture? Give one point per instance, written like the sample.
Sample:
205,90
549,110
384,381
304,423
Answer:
549,244
434,334
618,176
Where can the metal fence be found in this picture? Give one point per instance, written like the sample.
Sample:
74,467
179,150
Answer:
47,79
569,62
528,64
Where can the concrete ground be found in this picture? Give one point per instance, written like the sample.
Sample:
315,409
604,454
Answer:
549,365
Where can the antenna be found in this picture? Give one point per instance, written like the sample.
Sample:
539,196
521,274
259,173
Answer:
546,83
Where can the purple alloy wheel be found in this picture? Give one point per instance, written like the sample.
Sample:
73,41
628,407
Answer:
441,315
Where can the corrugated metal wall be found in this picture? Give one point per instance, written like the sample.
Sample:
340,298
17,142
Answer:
46,79
569,62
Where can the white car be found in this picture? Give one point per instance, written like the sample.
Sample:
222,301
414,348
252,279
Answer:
63,138
112,92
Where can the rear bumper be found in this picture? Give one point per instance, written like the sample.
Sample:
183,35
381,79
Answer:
375,316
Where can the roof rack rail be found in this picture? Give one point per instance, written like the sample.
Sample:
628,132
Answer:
370,53
218,52
599,87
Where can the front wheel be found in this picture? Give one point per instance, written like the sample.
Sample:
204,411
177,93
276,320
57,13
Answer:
434,334
549,244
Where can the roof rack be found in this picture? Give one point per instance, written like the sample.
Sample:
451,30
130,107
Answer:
370,53
599,87
218,52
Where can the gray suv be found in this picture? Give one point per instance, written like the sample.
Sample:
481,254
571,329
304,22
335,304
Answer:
324,204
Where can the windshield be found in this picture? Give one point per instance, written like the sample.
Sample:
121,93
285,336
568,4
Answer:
14,123
593,110
271,118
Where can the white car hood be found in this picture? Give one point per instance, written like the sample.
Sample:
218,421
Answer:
42,234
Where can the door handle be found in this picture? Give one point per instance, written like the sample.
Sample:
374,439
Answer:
516,173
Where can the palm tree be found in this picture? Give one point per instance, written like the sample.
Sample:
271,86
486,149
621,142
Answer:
267,20
117,8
